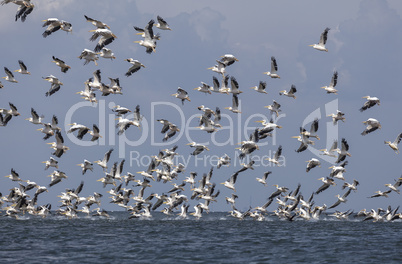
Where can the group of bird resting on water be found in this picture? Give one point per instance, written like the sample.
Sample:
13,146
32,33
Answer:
292,204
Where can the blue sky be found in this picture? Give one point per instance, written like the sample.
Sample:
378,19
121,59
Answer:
364,47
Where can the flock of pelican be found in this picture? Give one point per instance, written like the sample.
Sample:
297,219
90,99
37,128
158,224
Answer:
139,201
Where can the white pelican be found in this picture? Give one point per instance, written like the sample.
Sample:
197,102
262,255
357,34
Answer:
274,108
327,182
352,186
55,84
275,159
198,148
115,85
95,133
267,129
136,66
291,92
260,88
323,39
182,95
343,152
14,176
23,69
224,160
394,145
371,101
248,146
372,125
204,88
206,125
380,193
219,68
88,94
274,69
198,211
331,87
313,130
106,53
125,123
337,171
279,190
183,211
216,88
8,114
104,161
312,164
86,165
162,24
106,37
263,180
149,41
235,105
304,142
331,150
336,117
24,9
96,23
63,66
47,130
235,86
341,199
35,119
58,146
82,130
51,163
228,59
100,212
394,187
230,183
88,56
53,24
10,76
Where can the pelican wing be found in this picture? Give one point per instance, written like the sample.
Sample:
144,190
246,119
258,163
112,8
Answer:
324,36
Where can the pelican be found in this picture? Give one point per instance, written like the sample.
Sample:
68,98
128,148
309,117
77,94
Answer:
336,117
235,105
35,119
291,92
274,108
274,69
58,146
228,59
331,150
279,190
125,123
343,152
106,37
10,76
216,88
275,159
47,130
96,23
341,199
372,125
380,193
95,133
224,160
206,125
14,176
371,101
149,41
323,40
182,95
394,187
88,56
183,211
230,183
198,211
82,130
260,88
267,129
204,88
103,162
198,148
313,130
312,164
351,186
331,87
304,142
337,171
63,66
162,24
88,94
106,53
86,165
248,146
263,180
394,145
327,182
23,69
53,24
136,66
55,84
51,163
219,68
8,114
24,9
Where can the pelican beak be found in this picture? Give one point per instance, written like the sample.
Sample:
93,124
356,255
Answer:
310,45
137,41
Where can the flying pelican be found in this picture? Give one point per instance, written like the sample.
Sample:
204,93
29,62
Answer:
58,146
341,199
216,88
228,59
104,161
149,41
312,164
106,37
23,69
261,87
35,119
82,130
274,69
63,66
350,186
394,187
278,191
206,125
198,211
136,66
47,130
331,150
235,86
95,133
88,56
219,68
235,105
372,125
230,183
106,53
263,180
53,24
248,146
224,160
51,163
304,142
268,127
8,114
331,87
343,152
10,76
323,40
380,193
204,88
96,23
198,148
87,165
182,95
313,130
125,123
56,84
275,159
371,101
24,9
14,176
162,24
336,117
274,108
394,145
327,182
291,92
